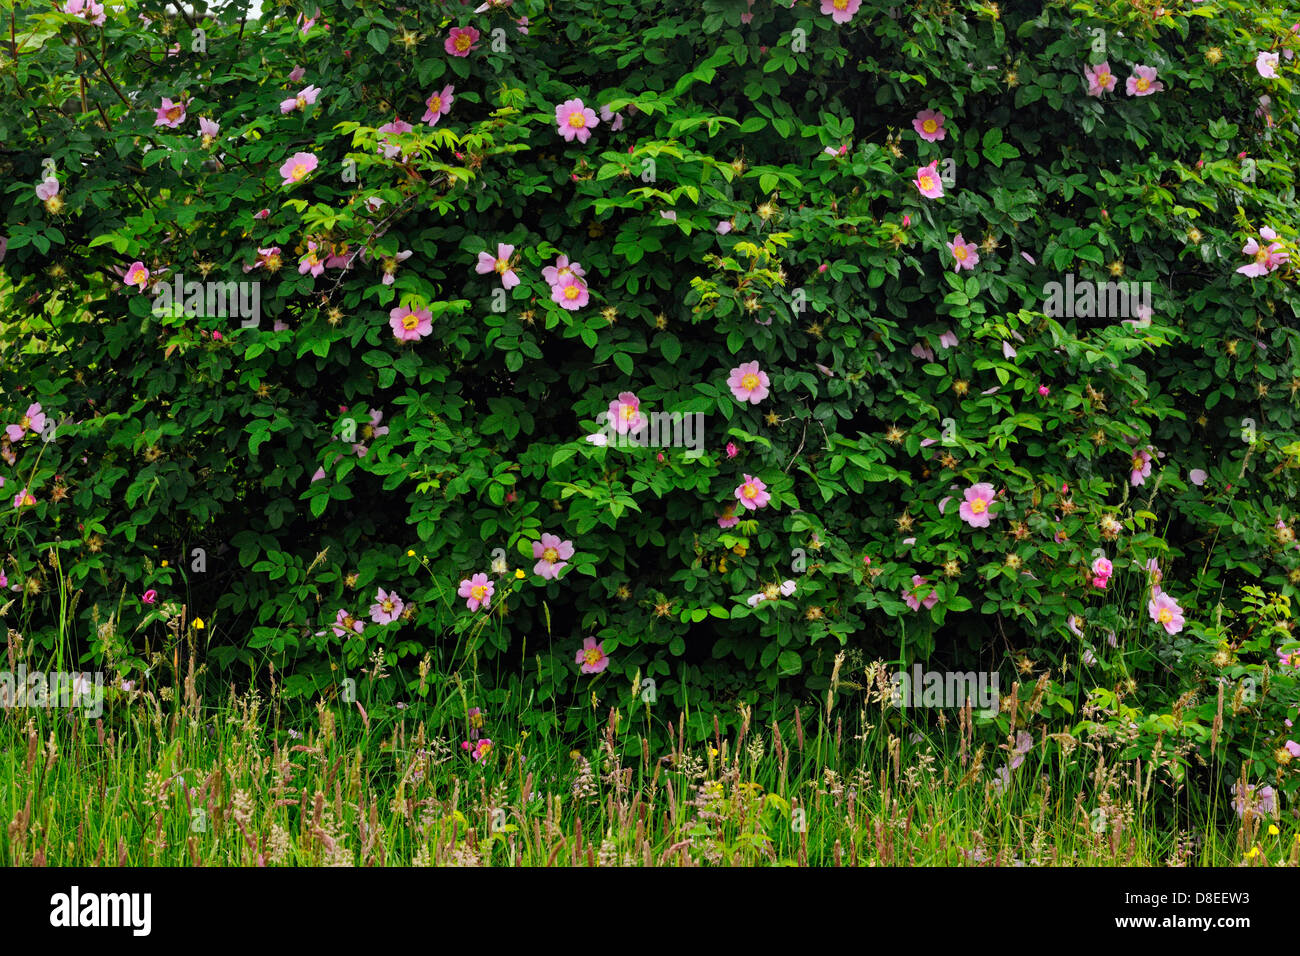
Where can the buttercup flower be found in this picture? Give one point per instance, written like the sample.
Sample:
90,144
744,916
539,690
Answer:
748,383
298,167
752,493
552,555
500,264
1100,79
1143,82
410,325
965,254
387,608
975,509
625,414
929,125
927,181
575,120
477,591
1165,611
438,105
592,657
461,41
169,114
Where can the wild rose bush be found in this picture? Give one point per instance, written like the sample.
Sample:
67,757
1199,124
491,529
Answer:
494,248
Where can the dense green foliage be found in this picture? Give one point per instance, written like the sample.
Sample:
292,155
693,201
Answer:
897,380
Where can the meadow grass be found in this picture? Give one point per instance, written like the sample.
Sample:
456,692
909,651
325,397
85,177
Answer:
165,777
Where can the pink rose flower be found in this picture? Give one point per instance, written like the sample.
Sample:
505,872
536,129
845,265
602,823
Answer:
592,657
752,493
477,591
929,125
575,120
410,325
748,383
461,41
975,509
552,555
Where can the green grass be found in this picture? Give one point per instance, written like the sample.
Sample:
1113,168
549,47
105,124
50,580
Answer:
168,778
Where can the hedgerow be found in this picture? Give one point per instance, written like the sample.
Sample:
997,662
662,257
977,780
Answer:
864,268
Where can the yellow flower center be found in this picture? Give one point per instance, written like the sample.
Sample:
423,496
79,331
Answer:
840,4
174,112
410,321
1137,464
463,42
24,422
959,252
550,555
1165,615
1143,83
627,411
592,656
299,171
388,607
572,291
929,126
749,382
434,103
979,506
479,592
750,491
577,119
927,181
